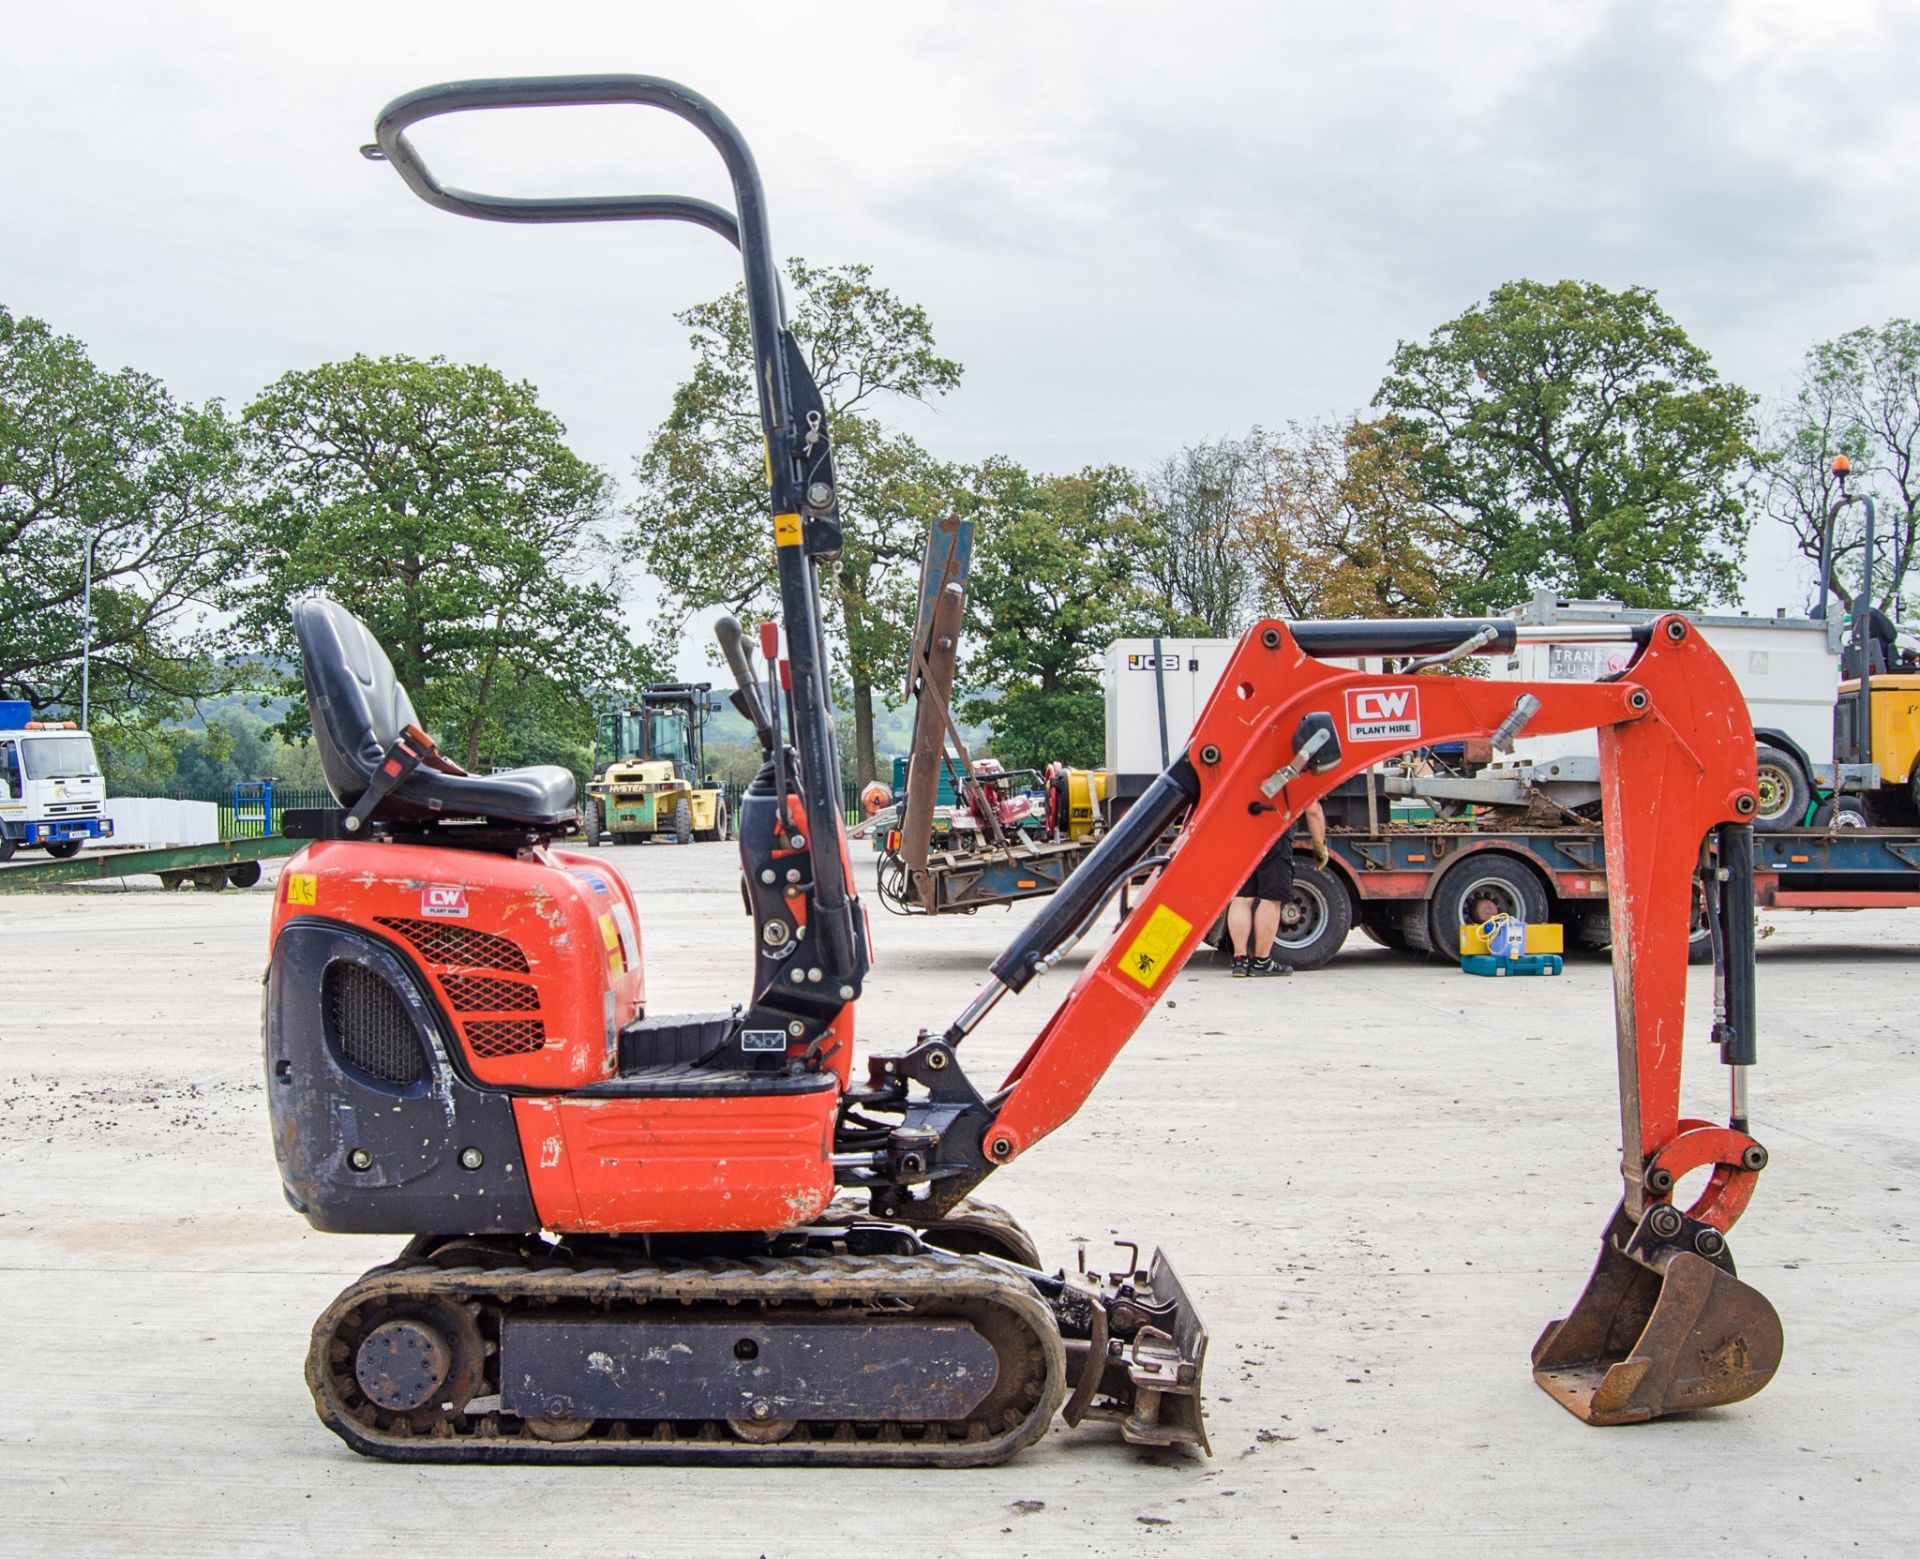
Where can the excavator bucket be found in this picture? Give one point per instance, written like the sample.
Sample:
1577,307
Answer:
1663,1326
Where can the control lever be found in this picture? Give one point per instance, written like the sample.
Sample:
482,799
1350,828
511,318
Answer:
739,654
770,653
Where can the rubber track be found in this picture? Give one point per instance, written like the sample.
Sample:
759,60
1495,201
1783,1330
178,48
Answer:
819,1283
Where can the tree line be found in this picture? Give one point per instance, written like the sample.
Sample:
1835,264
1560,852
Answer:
1554,436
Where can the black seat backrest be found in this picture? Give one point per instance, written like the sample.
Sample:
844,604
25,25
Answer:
359,709
355,701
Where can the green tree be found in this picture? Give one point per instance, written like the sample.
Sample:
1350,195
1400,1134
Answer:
1197,563
441,503
1858,396
1336,525
1582,443
700,519
111,456
1055,580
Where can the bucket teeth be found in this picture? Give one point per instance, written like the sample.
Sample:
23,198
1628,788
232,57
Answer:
1658,1329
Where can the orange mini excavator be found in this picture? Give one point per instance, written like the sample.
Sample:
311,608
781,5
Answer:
713,1238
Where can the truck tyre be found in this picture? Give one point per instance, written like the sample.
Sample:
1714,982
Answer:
596,830
683,821
7,847
1783,789
1325,917
243,874
1483,881
64,849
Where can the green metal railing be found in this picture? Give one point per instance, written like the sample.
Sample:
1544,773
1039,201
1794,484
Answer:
250,809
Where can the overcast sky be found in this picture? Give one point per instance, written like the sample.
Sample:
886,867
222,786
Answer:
1136,225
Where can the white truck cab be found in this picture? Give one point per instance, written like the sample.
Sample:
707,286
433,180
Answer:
52,793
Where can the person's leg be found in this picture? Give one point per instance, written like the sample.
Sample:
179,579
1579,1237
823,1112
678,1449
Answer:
1239,924
1276,893
1266,923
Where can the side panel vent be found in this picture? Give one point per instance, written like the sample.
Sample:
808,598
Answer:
505,1037
456,946
371,1026
477,993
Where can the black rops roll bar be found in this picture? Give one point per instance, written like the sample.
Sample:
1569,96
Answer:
746,228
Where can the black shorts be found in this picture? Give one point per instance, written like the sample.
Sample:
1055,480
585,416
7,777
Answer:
1273,877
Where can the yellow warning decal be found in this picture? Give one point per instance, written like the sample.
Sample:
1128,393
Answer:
1153,950
786,530
302,888
610,934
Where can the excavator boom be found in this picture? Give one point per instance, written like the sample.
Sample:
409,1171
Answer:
1281,730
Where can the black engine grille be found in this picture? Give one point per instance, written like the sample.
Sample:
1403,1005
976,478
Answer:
371,1026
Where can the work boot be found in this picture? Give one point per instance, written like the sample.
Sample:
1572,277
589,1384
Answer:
1263,968
1240,964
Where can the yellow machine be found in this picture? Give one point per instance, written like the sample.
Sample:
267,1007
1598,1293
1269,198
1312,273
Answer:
1893,726
654,786
1076,803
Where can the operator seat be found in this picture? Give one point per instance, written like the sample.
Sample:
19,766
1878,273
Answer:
359,709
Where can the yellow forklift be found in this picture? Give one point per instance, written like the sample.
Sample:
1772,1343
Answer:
1877,713
654,783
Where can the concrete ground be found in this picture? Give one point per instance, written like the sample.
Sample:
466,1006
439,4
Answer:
1378,1181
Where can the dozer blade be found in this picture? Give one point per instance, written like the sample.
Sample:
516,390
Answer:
1663,1326
1143,1365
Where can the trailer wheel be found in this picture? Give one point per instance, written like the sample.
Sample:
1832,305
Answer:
1382,926
1593,927
209,879
243,874
1483,885
1783,790
1840,812
169,881
1315,925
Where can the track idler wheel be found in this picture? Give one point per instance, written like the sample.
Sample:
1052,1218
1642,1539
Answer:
417,1363
1663,1326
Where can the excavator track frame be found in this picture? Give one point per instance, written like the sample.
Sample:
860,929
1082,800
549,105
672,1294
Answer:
494,1280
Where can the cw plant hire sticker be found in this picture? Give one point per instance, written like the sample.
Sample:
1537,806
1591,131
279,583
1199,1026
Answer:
1383,714
442,901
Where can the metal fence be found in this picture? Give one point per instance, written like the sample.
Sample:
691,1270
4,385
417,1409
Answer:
732,791
252,809
249,810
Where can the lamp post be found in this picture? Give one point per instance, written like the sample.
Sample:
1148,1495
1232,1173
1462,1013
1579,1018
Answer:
86,630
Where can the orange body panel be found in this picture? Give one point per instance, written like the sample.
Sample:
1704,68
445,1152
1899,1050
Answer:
535,959
656,1166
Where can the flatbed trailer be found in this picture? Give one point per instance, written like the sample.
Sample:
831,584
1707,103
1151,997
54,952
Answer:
1410,886
229,863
